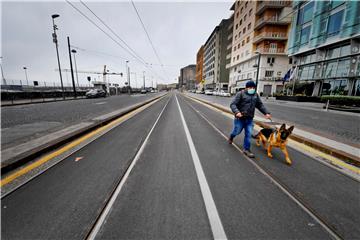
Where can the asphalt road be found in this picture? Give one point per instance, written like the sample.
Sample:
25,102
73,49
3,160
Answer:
22,123
164,197
340,126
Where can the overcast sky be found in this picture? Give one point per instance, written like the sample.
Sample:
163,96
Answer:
177,30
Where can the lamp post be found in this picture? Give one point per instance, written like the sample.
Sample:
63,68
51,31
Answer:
144,78
135,78
77,76
57,50
128,76
26,76
257,71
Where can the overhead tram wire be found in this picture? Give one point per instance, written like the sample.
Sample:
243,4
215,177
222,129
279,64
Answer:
148,36
107,34
113,32
142,62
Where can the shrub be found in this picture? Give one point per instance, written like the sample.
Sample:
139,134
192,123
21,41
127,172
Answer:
341,100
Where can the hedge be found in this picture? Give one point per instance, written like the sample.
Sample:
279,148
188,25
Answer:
341,100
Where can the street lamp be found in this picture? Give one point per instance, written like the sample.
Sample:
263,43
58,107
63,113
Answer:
257,71
77,76
57,50
128,76
27,80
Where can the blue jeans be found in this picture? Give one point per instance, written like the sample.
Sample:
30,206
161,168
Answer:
239,124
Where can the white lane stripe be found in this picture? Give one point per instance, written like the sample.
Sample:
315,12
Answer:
213,215
100,103
109,205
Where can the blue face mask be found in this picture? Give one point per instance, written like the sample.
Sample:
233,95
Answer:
251,91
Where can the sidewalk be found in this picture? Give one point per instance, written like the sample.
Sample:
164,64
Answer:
344,151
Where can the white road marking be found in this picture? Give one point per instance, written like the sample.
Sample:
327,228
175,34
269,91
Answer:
213,215
100,103
110,203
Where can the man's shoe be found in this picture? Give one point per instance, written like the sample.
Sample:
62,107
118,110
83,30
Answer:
230,140
249,154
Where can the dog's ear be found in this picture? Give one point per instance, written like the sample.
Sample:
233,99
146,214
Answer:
290,129
283,126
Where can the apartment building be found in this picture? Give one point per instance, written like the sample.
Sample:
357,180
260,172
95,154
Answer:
260,33
199,68
187,77
325,44
215,73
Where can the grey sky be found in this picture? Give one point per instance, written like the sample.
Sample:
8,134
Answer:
177,30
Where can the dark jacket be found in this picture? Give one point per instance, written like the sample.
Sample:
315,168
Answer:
246,104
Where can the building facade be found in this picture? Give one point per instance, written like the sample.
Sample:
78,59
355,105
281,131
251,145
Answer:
260,33
199,68
215,73
325,44
187,77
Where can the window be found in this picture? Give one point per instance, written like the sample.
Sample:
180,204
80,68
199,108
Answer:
250,12
247,39
335,3
241,10
335,22
290,61
246,4
305,13
236,26
332,53
269,73
249,75
244,30
244,17
237,14
345,50
343,68
243,43
239,34
270,60
239,45
305,33
235,37
237,57
330,69
235,48
249,26
240,22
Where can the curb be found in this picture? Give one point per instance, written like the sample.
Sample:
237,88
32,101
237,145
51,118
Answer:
346,157
16,161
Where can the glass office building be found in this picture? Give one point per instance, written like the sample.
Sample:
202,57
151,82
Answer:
325,46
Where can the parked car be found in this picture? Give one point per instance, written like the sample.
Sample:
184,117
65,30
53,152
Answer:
224,94
95,93
143,91
208,92
198,91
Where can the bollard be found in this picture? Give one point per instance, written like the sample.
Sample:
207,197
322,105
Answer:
327,105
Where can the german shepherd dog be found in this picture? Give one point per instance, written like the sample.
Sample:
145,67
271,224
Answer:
275,138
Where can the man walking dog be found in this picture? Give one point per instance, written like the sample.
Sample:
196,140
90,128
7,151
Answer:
243,106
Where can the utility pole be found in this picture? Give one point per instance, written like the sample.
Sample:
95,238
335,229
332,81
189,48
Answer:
257,72
57,51
27,80
71,67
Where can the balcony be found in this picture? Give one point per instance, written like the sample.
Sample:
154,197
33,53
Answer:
270,36
274,20
263,5
267,50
